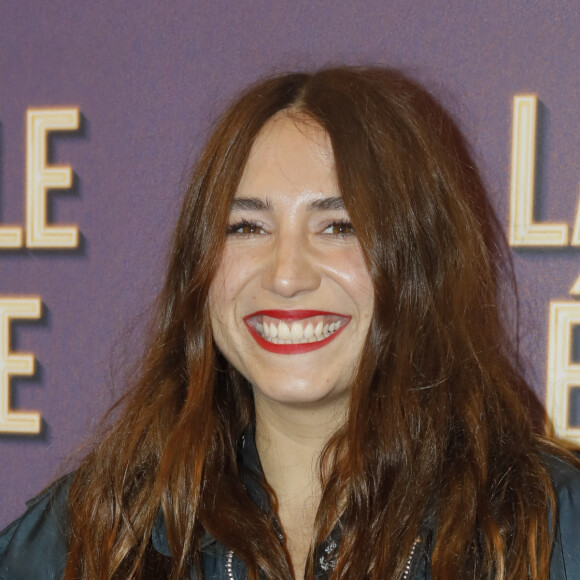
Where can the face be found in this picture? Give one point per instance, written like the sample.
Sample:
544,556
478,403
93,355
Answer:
292,300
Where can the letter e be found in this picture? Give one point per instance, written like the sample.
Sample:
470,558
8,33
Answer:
563,374
15,364
40,177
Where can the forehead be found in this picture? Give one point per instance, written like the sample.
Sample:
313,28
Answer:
291,153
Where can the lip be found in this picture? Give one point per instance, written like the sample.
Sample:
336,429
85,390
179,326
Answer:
291,315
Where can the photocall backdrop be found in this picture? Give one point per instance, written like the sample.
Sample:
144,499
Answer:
104,105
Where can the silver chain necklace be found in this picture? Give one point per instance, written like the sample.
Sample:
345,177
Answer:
406,573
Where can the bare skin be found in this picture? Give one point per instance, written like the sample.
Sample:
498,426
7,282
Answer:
289,442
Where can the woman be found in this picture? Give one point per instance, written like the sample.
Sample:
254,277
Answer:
329,391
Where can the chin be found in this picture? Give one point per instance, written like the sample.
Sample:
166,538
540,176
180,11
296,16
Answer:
300,394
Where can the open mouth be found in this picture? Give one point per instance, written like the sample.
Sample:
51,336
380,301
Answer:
294,331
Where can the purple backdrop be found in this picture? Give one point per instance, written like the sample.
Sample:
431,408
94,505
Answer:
148,77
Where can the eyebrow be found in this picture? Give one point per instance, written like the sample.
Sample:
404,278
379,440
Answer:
327,203
252,203
257,204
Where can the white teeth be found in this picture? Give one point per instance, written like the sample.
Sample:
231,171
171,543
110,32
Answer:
283,330
296,332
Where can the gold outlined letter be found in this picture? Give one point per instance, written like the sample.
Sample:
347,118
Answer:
563,374
522,229
575,290
15,364
40,177
576,231
10,237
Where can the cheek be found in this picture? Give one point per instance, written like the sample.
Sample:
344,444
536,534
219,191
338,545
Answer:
218,303
363,288
223,287
354,277
221,319
226,291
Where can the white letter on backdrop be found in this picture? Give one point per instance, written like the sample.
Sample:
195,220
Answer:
563,373
40,177
15,364
523,231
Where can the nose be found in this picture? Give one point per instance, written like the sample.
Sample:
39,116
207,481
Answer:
290,269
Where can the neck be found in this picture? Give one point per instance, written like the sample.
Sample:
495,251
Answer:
290,440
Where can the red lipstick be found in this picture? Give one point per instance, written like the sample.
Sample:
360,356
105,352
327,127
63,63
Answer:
256,322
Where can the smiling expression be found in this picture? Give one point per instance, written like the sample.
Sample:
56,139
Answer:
292,299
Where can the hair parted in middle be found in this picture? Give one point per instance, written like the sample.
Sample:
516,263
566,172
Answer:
435,433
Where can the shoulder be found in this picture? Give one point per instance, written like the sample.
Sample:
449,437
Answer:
36,544
566,481
566,550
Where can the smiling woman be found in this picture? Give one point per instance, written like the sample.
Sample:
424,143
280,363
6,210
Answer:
287,283
328,391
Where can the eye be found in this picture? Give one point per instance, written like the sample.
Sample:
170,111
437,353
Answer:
245,228
339,228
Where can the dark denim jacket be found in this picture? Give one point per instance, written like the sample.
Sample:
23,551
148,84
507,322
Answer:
34,547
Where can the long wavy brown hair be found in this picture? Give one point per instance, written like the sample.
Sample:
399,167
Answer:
436,438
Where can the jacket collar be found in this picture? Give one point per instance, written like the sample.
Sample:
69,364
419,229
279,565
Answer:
252,476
